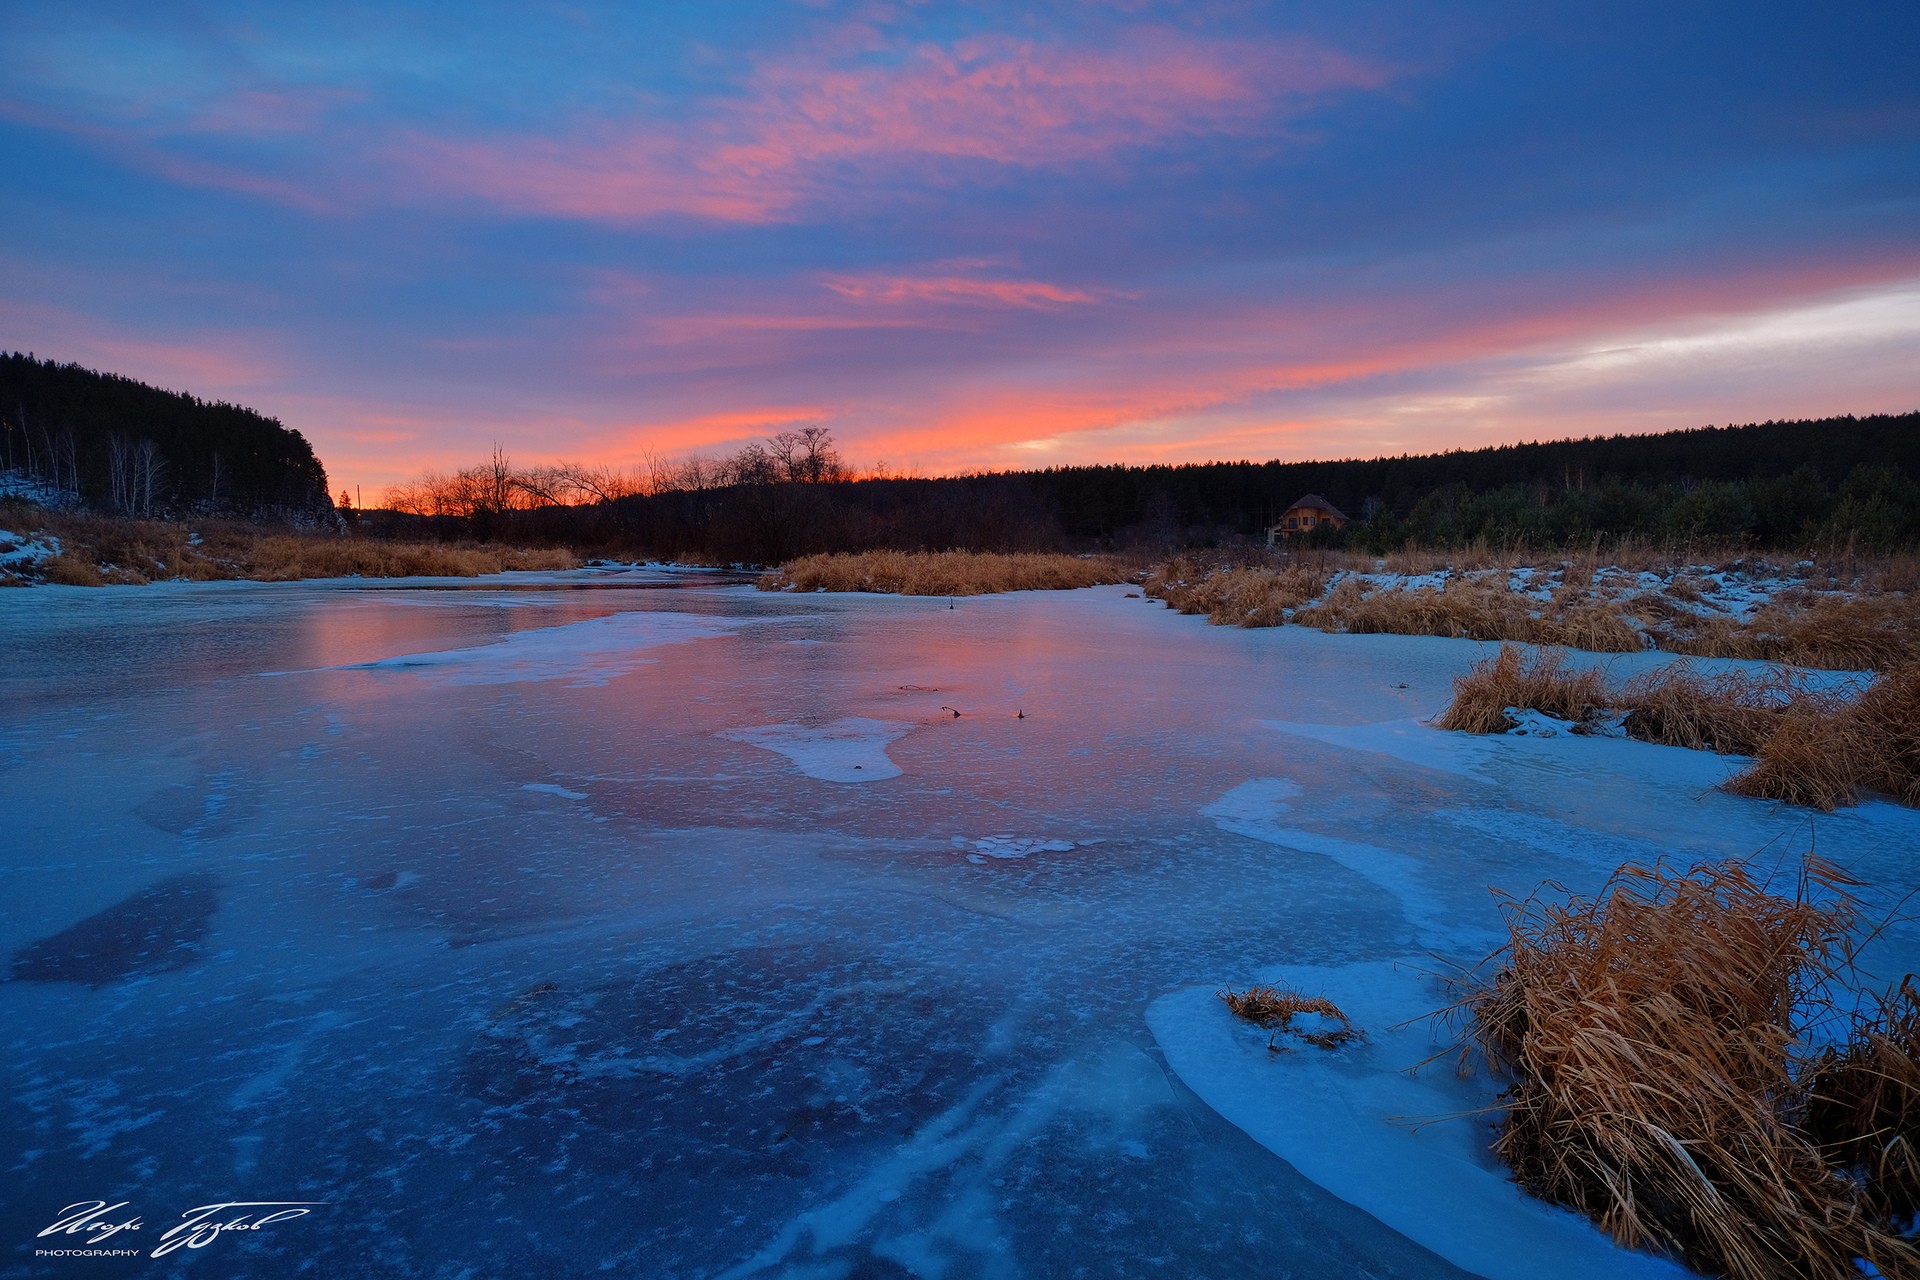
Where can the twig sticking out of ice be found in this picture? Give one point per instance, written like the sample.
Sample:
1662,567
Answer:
849,750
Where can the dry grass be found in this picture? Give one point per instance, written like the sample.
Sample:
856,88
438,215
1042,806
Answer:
1838,616
98,551
1863,1103
1733,713
1254,595
945,573
1815,747
1275,1008
289,556
1539,680
1824,754
1650,1034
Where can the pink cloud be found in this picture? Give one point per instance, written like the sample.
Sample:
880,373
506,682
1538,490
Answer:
809,123
962,289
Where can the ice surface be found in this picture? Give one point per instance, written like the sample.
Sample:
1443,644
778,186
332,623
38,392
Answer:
584,654
531,924
1411,1149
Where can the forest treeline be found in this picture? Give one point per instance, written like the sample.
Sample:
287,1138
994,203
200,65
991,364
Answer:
73,436
1832,484
70,435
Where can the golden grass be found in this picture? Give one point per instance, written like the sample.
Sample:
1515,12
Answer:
1839,616
1275,1008
99,551
1256,595
945,573
1863,1103
290,556
1733,713
1825,753
1651,1033
1813,747
1537,680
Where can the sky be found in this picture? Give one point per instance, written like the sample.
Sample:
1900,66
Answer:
968,237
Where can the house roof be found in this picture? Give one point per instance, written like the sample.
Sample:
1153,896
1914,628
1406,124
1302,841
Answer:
1314,502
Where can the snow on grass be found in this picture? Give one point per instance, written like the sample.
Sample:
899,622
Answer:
852,749
1347,1118
21,552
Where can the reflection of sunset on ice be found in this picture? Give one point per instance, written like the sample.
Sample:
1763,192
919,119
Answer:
646,902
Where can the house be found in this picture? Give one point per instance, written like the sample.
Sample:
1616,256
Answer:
1311,512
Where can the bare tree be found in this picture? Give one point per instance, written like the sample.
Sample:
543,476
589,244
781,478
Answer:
120,477
149,474
807,455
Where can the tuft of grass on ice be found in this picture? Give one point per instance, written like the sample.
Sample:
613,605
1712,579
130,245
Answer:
1275,1008
1528,680
1654,1036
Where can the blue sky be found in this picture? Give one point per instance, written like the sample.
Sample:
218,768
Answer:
969,236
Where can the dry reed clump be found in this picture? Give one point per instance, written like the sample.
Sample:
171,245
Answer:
1863,1103
1836,632
1237,595
286,557
1815,747
1474,609
1652,1037
1537,680
101,551
944,573
1824,752
1731,712
1275,1008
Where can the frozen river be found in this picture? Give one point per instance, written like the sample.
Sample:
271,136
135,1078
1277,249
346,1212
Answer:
521,930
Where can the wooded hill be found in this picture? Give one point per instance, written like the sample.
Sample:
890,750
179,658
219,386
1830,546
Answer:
1831,484
120,446
1775,484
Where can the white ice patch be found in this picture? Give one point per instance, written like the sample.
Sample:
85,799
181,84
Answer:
553,789
1414,741
848,750
1010,846
1255,809
585,654
1341,1117
1255,803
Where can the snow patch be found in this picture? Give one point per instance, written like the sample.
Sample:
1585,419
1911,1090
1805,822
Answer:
853,749
1345,1118
1011,846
